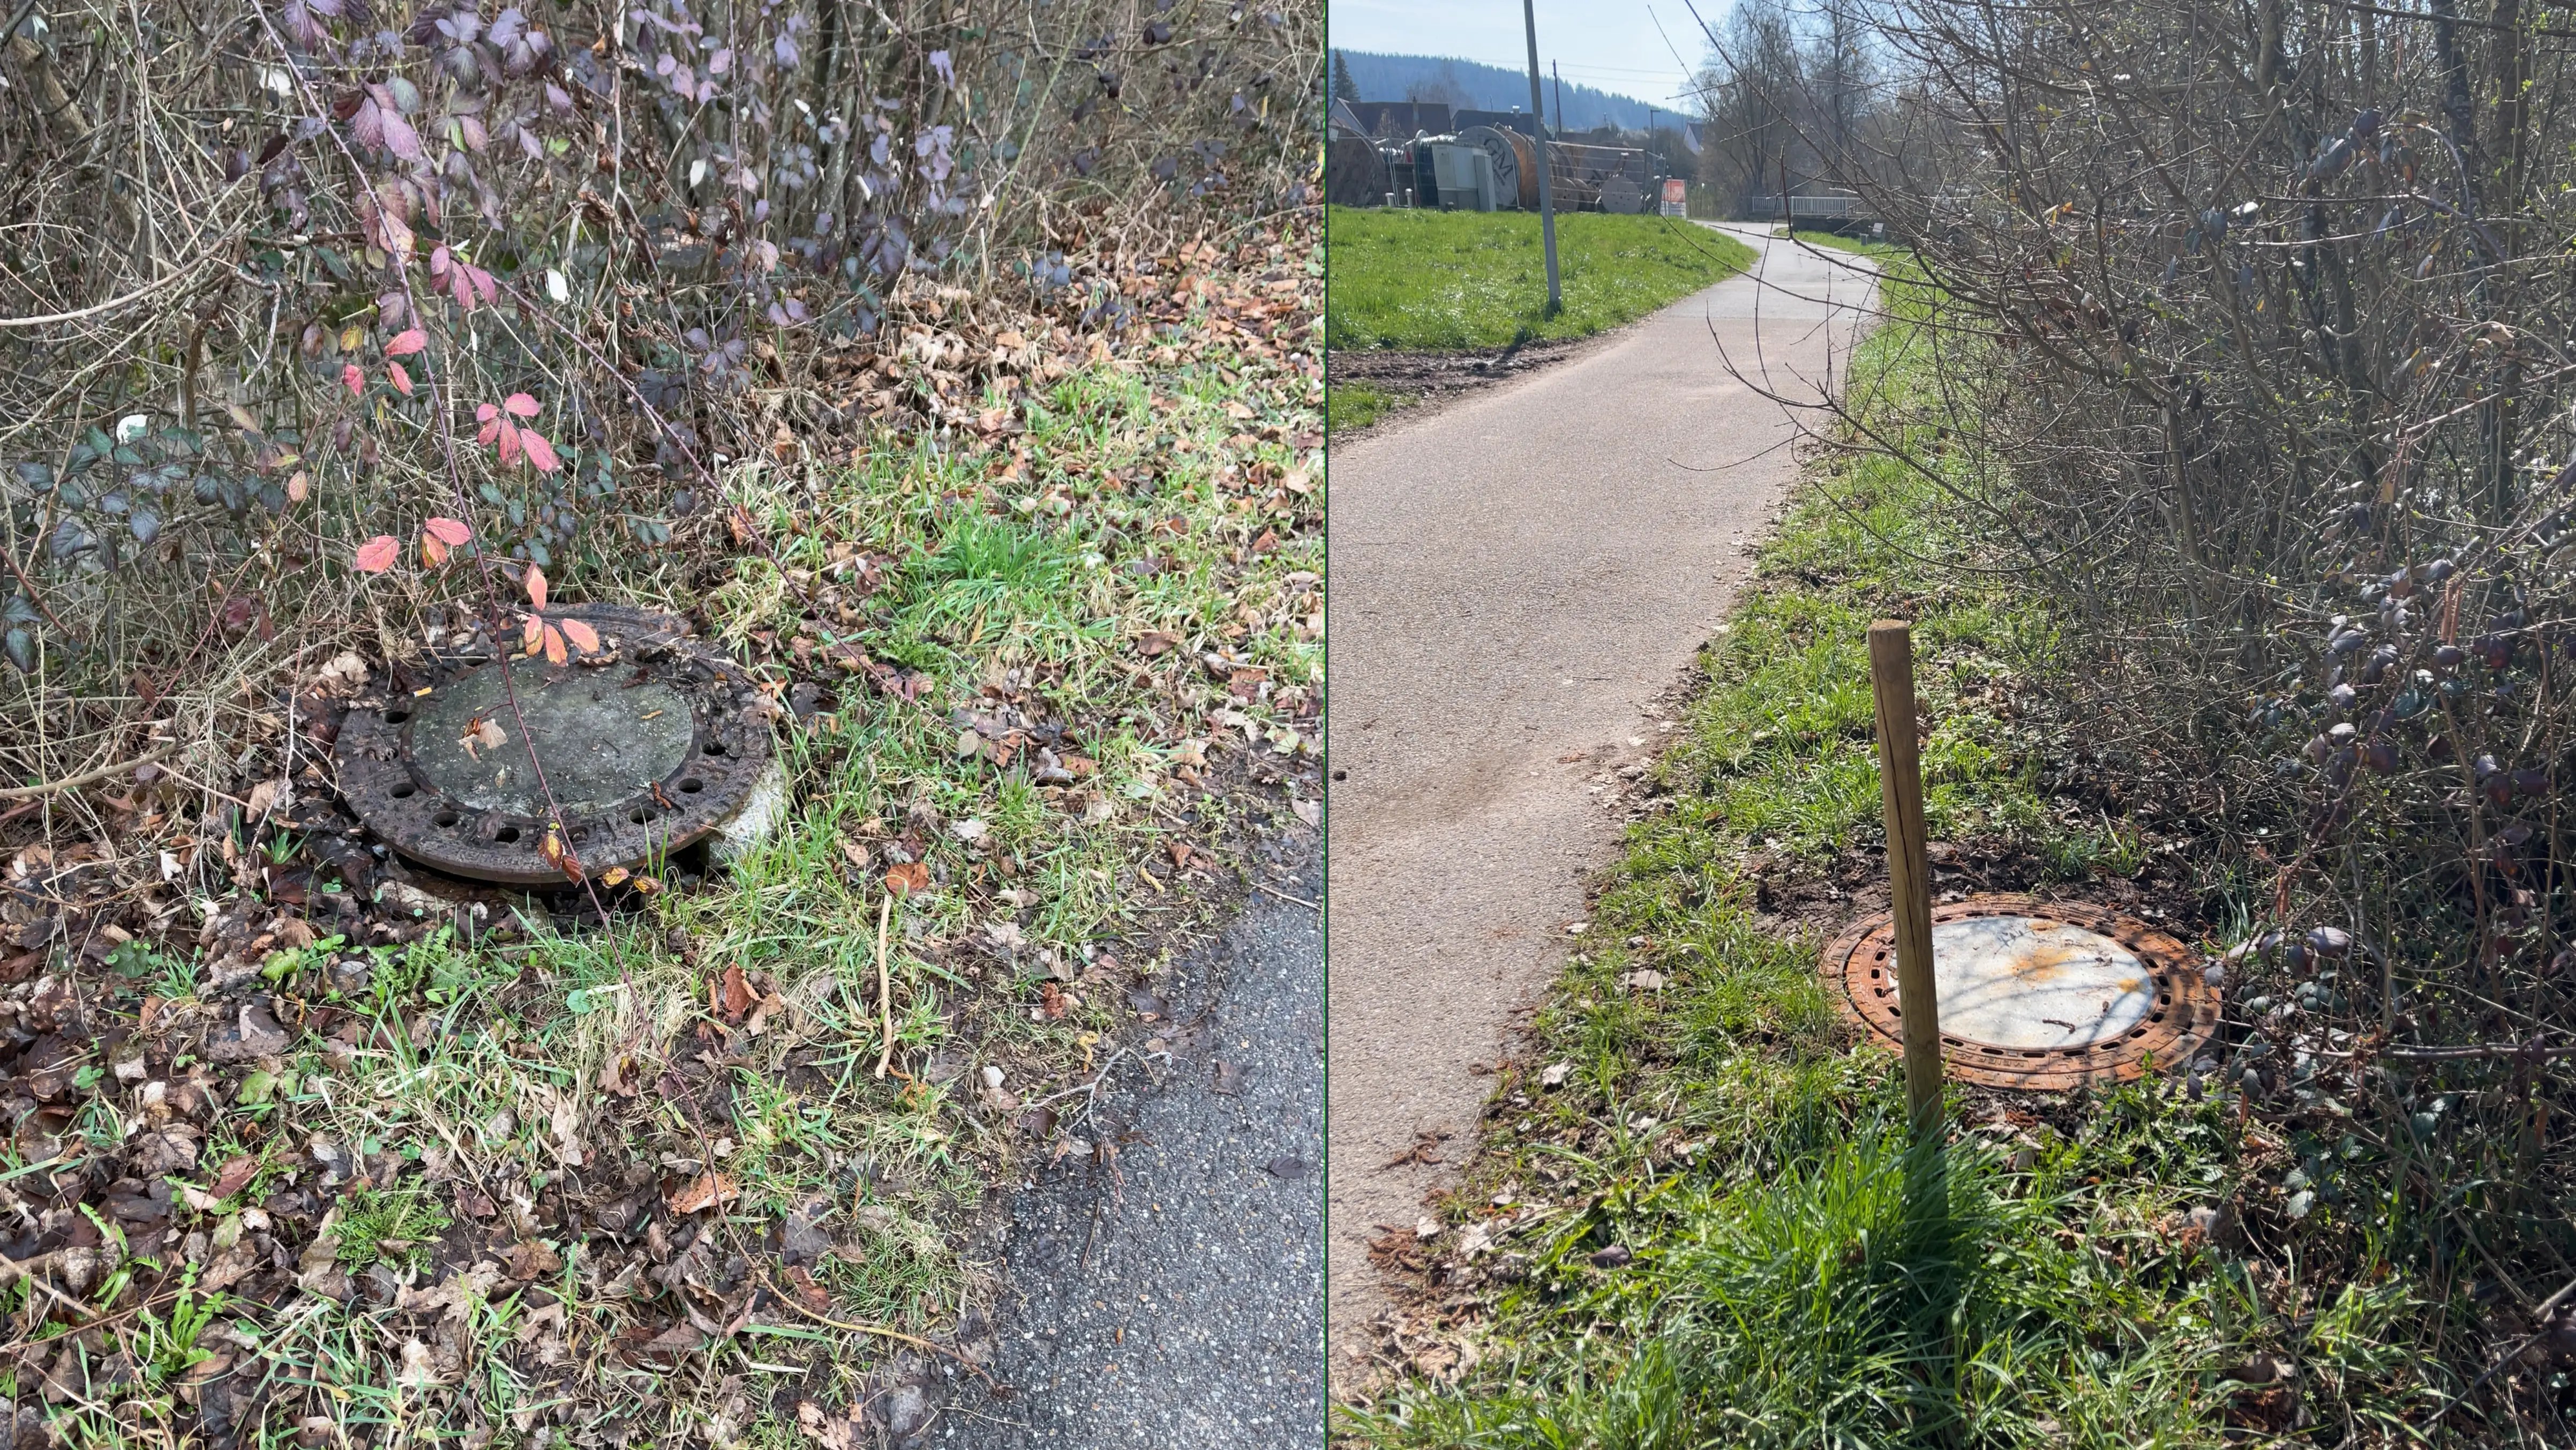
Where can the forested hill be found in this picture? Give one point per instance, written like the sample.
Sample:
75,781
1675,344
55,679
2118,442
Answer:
1485,87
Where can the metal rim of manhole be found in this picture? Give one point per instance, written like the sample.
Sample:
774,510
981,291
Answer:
647,747
2016,976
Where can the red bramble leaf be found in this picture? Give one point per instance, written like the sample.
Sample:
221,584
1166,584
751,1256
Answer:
520,405
448,531
376,555
353,379
536,582
540,452
583,637
554,645
405,343
401,378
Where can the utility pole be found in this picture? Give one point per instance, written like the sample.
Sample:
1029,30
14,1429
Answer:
1560,96
1546,200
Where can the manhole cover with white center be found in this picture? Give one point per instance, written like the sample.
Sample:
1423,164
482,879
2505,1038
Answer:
645,748
2033,994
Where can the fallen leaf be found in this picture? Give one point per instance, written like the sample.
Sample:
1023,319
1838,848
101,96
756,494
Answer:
529,1259
812,1295
481,733
377,555
906,877
737,998
705,1191
234,1176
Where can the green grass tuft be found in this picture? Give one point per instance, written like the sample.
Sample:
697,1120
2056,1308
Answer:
1350,406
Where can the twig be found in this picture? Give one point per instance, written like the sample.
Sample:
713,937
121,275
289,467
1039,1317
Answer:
1284,896
74,782
881,1332
147,289
885,984
2548,1307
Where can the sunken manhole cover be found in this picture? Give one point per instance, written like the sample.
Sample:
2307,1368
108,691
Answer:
2035,994
646,747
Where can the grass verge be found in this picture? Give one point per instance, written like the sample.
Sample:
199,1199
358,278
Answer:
1357,405
1445,281
368,1163
1695,1219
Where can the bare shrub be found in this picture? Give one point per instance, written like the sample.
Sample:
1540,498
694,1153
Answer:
2259,317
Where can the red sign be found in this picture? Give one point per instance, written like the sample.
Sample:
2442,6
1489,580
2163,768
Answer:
1676,191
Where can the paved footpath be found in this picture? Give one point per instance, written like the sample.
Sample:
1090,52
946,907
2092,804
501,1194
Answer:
1175,1303
1515,578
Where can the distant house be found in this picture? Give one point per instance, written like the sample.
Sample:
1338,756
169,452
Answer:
1345,121
1521,121
1403,120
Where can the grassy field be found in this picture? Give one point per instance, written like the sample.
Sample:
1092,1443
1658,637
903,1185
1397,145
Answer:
655,1177
1447,281
1696,1219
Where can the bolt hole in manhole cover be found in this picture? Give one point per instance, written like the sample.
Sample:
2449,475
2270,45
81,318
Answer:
646,747
2037,995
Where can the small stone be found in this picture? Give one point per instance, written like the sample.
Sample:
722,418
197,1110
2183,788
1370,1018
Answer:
992,1076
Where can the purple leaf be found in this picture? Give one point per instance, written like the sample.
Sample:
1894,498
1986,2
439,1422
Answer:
947,69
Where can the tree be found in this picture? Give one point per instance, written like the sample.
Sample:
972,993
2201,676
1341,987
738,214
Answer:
1344,88
1750,89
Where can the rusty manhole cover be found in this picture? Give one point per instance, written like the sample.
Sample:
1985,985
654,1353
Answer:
2040,995
646,748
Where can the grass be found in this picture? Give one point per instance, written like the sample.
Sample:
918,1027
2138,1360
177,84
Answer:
1075,664
1448,281
1350,406
1696,1220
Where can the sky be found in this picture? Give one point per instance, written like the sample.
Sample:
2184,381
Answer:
1608,44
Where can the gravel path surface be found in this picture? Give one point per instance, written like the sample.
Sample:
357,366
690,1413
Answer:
1183,1306
1515,579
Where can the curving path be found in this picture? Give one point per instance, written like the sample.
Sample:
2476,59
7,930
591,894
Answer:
1514,580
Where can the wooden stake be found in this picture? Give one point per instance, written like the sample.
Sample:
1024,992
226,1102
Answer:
1909,873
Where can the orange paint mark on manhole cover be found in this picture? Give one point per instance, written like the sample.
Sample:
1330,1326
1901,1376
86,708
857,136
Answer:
2037,995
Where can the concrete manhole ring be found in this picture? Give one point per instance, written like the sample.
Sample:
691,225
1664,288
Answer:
646,750
2040,995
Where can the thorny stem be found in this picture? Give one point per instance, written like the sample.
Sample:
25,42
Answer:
432,382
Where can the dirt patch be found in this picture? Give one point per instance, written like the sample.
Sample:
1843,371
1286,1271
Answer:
1431,381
